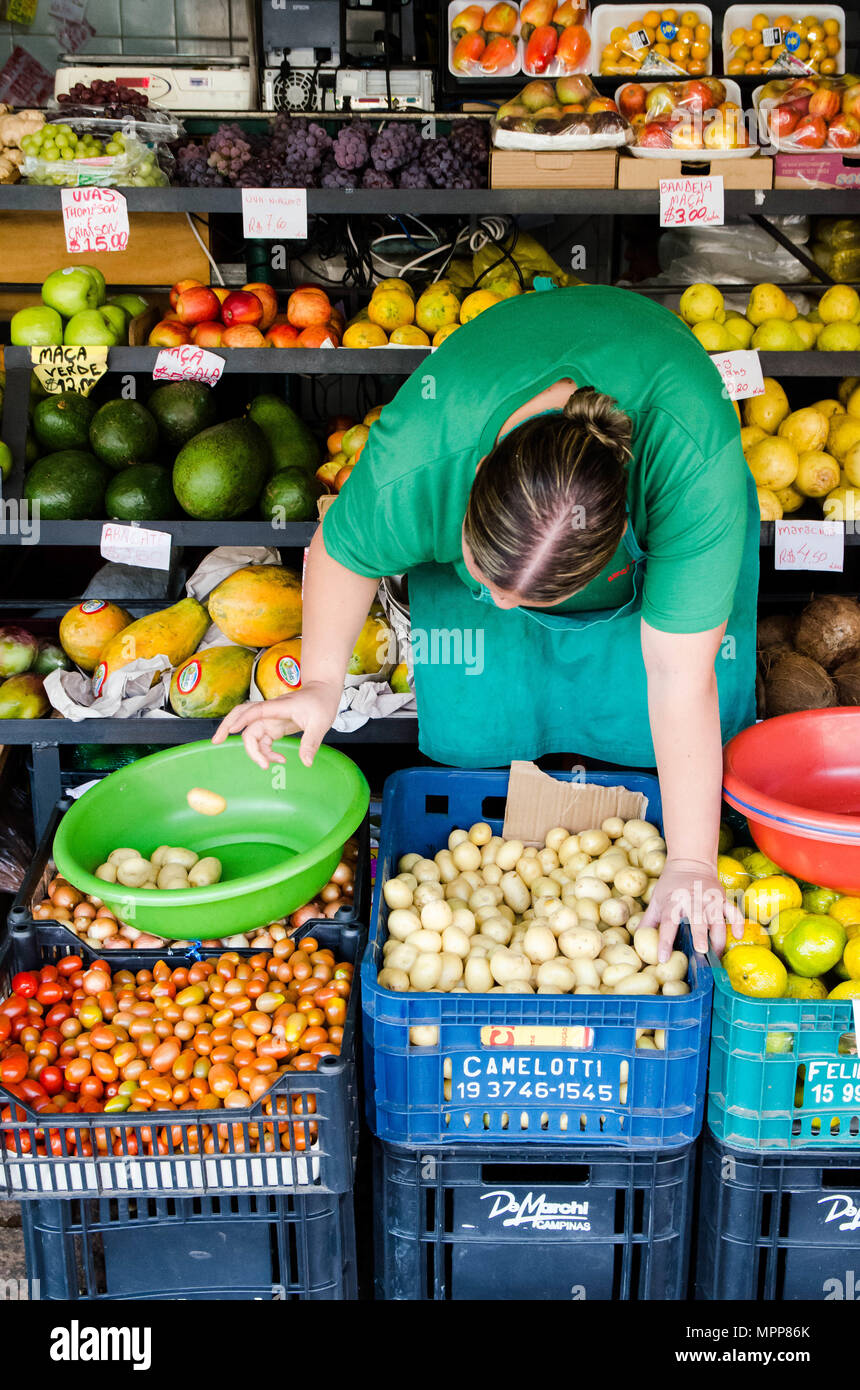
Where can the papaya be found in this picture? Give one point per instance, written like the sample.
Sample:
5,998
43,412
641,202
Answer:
291,443
279,670
173,633
258,605
88,627
209,684
373,647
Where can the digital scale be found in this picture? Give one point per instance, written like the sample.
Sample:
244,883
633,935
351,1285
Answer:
183,84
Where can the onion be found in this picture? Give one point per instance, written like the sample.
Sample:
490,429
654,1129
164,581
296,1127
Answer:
797,683
333,908
306,913
330,892
343,873
847,679
829,630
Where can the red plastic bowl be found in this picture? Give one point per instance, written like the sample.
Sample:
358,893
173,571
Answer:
797,780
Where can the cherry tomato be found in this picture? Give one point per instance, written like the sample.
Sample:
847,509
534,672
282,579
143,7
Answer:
25,984
13,1068
5,1028
50,992
52,1079
69,966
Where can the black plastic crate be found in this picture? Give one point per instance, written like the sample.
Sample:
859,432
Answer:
116,1155
549,1223
777,1227
42,869
255,1246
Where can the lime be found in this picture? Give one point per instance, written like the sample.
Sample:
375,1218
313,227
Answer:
726,838
730,873
758,865
799,987
813,945
5,461
780,925
779,1042
817,899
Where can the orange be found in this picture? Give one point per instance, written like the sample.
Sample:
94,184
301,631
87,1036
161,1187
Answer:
848,989
365,335
731,873
780,925
846,910
390,309
851,958
755,971
768,896
798,987
754,935
813,945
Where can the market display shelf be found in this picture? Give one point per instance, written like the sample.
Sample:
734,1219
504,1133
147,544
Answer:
397,728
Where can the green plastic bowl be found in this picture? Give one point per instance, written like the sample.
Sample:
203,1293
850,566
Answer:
279,840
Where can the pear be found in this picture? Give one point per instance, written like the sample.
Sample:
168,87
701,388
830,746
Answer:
537,94
789,499
750,435
841,336
769,505
805,429
699,303
830,408
806,332
843,434
817,473
769,302
852,404
851,464
773,463
740,328
839,302
846,387
843,504
776,335
713,336
769,410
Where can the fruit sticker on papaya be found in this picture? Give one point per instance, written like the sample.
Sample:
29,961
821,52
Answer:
289,672
189,677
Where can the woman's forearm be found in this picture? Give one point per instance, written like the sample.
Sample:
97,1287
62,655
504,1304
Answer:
335,604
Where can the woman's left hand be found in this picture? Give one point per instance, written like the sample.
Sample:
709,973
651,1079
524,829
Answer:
692,892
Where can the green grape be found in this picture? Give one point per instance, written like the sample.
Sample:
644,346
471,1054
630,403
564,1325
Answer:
112,147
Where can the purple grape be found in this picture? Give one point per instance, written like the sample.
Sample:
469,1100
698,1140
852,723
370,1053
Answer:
469,141
443,166
339,178
352,146
396,145
229,151
193,169
414,176
375,178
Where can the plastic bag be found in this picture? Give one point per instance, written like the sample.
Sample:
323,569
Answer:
842,264
700,119
529,257
151,125
838,233
769,48
568,114
16,849
737,254
137,166
800,114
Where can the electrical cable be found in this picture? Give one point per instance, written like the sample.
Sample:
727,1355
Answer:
205,249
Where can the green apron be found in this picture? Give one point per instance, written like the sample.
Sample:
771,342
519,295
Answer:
493,685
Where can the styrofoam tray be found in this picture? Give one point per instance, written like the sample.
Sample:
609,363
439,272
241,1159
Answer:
456,7
733,93
605,18
555,68
741,16
517,140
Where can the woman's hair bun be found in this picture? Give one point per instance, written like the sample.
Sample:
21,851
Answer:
600,416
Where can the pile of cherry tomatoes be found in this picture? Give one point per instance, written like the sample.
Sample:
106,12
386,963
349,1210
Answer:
214,1035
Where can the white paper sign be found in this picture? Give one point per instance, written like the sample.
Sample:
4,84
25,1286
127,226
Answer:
637,39
68,9
275,212
94,219
188,363
694,202
136,545
809,545
741,373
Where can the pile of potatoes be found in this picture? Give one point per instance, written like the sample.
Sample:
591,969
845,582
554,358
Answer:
488,915
169,867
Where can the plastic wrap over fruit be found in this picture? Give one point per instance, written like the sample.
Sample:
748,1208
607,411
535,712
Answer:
699,119
805,113
654,43
568,113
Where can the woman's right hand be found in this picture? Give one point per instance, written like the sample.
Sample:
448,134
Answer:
311,711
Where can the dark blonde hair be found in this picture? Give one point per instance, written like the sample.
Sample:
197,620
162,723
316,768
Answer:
547,508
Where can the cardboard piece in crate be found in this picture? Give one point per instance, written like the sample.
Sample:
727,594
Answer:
822,169
537,803
756,172
553,168
161,249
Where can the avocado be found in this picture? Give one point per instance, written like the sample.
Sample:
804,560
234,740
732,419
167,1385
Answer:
123,433
68,485
63,421
140,493
181,410
221,471
290,495
290,441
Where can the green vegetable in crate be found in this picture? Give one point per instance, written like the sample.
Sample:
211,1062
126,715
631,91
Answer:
140,493
290,495
63,421
210,683
182,409
220,473
68,485
123,433
290,442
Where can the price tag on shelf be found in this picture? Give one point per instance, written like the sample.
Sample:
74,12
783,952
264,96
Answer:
94,219
696,202
136,545
69,368
275,212
188,363
809,545
741,373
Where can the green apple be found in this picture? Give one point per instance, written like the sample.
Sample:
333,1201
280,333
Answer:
71,290
5,461
90,328
117,318
100,283
37,326
133,304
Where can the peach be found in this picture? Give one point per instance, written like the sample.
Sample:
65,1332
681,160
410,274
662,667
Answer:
269,301
282,335
243,335
168,335
317,335
308,307
242,307
208,334
197,305
180,287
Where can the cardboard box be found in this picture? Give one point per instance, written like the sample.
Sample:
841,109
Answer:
553,168
536,803
819,169
323,503
756,172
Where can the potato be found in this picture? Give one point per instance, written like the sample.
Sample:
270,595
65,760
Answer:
638,831
467,856
452,970
539,944
426,971
409,879
580,941
506,965
391,978
568,847
516,987
406,862
455,942
426,871
585,972
131,873
590,887
492,874
556,837
480,833
550,989
106,872
556,973
576,863
426,941
660,1039
611,976
396,893
457,837
586,989
117,856
594,842
655,843
176,855
448,870
172,877
402,922
399,956
436,915
477,975
588,910
460,888
516,894
561,877
613,826
508,853
649,891
616,936
424,1035
675,987
488,895
490,850
646,944
632,881
464,919
156,858
544,887
636,984
528,868
607,866
654,862
645,1044
205,872
621,955
206,802
428,891
633,921
600,966
675,968
562,916
548,860
498,929
614,912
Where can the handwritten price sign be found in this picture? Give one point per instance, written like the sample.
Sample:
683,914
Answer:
69,368
95,219
136,545
809,545
275,212
188,363
695,202
741,373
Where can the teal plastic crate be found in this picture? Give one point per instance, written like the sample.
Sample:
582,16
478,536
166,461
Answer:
784,1073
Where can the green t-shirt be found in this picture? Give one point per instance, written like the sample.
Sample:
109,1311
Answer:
405,502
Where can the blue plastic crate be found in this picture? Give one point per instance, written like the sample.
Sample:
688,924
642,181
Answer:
543,1223
563,1091
257,1246
777,1227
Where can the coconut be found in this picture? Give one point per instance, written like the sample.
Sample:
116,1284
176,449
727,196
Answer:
829,630
760,697
777,629
847,679
797,682
768,658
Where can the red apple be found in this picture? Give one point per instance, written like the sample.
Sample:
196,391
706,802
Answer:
197,305
631,99
168,335
844,132
179,288
782,120
810,132
656,135
282,335
243,335
317,335
269,301
308,307
824,103
242,307
800,104
851,100
696,96
208,334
